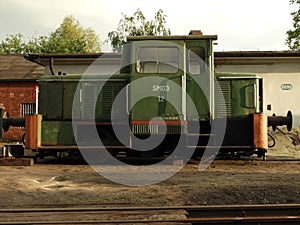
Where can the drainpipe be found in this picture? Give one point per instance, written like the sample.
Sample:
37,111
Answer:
51,63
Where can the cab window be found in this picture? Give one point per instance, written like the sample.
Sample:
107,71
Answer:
157,60
196,63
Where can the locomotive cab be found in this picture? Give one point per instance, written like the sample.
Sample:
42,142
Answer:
171,89
185,62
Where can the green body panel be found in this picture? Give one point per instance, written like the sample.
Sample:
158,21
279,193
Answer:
57,133
198,98
164,98
69,92
243,101
62,90
242,95
158,104
50,100
56,101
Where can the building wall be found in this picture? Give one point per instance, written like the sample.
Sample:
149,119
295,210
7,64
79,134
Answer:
12,96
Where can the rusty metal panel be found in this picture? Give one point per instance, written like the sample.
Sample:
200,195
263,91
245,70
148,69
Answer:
260,131
33,131
57,133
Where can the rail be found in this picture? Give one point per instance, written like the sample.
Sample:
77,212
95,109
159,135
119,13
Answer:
237,214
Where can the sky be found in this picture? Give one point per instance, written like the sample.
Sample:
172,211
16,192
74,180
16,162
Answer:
241,25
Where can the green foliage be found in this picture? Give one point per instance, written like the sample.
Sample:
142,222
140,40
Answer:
69,37
137,25
36,44
13,44
293,35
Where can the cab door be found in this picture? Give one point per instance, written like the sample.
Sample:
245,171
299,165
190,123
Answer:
198,80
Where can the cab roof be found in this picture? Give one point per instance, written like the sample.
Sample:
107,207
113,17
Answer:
172,37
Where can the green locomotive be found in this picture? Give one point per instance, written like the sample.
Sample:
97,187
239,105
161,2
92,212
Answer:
166,90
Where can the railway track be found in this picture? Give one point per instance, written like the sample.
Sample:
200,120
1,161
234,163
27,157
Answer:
238,214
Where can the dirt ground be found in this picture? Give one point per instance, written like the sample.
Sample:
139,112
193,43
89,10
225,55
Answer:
247,181
224,182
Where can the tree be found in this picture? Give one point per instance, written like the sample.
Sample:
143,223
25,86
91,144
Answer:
137,25
13,44
16,44
69,37
293,35
36,44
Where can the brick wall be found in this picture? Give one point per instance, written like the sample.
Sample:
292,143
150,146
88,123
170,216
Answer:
12,96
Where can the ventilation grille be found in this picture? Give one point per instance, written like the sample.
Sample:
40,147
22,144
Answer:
223,99
155,129
88,100
107,100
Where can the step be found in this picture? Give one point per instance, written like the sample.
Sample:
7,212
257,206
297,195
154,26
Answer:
12,161
200,135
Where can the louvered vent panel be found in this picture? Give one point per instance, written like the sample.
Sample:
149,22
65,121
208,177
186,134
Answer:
88,100
107,100
223,99
155,129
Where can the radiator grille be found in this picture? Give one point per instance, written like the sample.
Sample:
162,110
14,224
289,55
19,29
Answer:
223,99
107,99
155,129
91,98
88,100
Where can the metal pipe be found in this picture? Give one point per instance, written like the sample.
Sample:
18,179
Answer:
14,122
274,121
52,66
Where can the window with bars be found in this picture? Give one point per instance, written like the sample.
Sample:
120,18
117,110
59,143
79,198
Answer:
27,109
